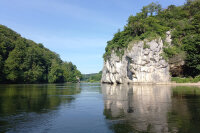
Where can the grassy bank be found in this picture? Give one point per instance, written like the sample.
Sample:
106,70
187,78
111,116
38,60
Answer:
186,80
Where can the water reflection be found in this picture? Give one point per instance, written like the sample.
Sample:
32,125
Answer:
34,98
22,103
184,116
150,108
78,108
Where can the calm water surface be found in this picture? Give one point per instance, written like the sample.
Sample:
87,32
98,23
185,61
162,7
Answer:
96,108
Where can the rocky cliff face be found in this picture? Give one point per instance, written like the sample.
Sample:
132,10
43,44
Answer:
141,62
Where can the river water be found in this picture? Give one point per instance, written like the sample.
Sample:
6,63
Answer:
96,108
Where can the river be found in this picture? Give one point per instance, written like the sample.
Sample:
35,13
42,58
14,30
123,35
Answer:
96,108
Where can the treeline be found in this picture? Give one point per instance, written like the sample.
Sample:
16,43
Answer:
153,21
24,61
94,77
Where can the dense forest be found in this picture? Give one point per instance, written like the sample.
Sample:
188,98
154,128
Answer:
94,77
153,21
24,61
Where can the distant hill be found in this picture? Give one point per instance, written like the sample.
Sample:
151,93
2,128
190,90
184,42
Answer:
24,61
94,77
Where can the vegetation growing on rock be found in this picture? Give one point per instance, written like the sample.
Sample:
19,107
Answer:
153,21
24,61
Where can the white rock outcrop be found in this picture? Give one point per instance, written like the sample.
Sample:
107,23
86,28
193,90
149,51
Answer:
168,38
141,62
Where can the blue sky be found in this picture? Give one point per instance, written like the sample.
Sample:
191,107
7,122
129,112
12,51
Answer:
75,29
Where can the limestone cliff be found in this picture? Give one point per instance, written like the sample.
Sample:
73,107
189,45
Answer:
141,62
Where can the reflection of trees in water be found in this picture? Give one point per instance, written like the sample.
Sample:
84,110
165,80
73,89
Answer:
35,98
137,108
33,103
184,116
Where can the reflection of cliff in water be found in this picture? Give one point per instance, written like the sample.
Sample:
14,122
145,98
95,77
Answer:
138,108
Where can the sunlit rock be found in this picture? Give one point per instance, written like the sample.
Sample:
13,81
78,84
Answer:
141,62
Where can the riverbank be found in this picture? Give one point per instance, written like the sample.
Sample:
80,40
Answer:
165,83
161,83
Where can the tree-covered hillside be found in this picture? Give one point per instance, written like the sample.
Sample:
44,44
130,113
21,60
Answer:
24,61
153,21
94,77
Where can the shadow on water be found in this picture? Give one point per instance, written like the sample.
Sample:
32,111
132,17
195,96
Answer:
23,102
150,108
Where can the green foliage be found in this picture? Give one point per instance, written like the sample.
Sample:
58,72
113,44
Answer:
95,77
24,61
171,51
55,73
145,45
140,26
70,72
154,21
186,80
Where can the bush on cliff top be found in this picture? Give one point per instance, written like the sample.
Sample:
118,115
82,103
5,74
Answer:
184,21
